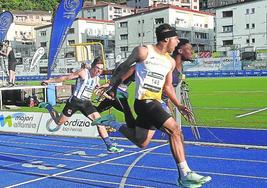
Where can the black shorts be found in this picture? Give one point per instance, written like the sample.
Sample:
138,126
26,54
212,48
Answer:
12,66
150,114
74,104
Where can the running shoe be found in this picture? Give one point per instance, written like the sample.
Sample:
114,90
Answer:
192,180
114,149
43,104
104,120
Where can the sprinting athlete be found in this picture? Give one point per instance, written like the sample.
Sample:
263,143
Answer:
87,81
153,74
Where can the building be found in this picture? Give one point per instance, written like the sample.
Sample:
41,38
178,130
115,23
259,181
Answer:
242,26
138,29
211,4
22,33
190,4
83,30
104,10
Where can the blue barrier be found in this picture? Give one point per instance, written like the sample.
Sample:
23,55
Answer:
237,73
189,74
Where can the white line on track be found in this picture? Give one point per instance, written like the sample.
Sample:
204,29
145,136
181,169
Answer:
83,167
235,175
126,174
250,113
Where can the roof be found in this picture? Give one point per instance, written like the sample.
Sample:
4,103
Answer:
89,4
238,3
86,19
35,12
160,7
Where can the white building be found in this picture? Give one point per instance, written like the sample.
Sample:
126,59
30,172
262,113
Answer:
83,30
138,29
104,10
21,32
242,25
190,4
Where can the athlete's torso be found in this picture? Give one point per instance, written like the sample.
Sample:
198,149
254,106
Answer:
150,75
84,87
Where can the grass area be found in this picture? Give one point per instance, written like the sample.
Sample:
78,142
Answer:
217,101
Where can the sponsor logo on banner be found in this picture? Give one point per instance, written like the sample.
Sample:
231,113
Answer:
64,17
19,122
6,18
77,125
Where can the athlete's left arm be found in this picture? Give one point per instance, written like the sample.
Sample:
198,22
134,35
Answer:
170,91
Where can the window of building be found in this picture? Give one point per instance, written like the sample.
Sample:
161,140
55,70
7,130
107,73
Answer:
206,25
124,48
159,20
199,35
110,8
253,11
43,44
71,31
253,40
123,24
228,28
227,14
43,33
253,26
71,42
124,37
139,34
247,26
227,42
93,9
247,41
247,11
195,7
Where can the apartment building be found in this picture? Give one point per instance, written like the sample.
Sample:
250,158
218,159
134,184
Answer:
139,29
242,25
190,4
104,10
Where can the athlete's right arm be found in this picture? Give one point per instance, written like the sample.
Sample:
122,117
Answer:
138,54
71,76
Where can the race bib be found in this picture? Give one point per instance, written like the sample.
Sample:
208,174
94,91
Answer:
87,93
153,81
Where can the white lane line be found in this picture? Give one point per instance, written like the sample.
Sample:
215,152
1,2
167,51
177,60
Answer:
126,174
81,180
250,113
83,167
235,175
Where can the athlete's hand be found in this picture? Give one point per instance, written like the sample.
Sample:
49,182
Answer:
187,114
102,91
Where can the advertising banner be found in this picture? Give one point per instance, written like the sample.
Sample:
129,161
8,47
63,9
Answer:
78,125
19,122
64,17
6,19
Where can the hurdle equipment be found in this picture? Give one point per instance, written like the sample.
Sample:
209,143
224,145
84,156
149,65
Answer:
185,100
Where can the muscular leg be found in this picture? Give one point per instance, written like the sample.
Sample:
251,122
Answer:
101,129
139,136
176,142
104,134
